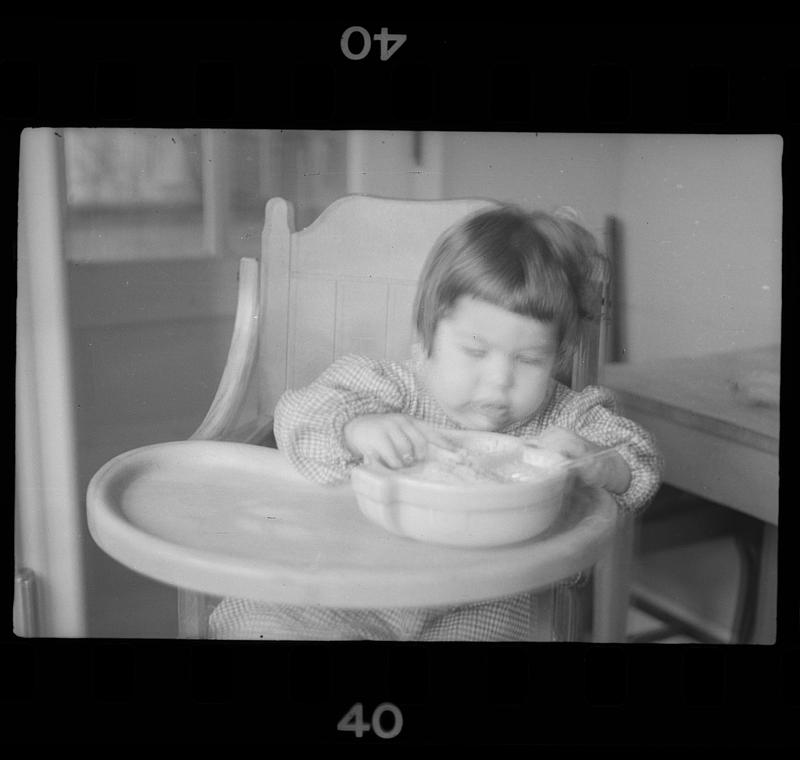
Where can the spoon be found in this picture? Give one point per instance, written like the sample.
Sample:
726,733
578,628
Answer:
483,463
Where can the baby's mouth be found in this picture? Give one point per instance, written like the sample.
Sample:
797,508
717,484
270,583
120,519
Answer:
493,411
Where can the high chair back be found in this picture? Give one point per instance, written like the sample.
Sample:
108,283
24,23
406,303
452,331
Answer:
345,284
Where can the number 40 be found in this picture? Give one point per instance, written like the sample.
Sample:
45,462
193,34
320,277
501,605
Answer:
353,721
384,38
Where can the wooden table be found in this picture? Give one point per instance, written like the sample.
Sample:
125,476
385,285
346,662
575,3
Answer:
232,519
716,441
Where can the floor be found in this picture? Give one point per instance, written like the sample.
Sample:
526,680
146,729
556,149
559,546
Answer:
697,585
646,628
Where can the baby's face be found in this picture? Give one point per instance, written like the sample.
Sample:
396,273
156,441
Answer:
490,367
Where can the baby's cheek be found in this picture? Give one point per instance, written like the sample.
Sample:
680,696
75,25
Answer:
449,393
530,399
458,381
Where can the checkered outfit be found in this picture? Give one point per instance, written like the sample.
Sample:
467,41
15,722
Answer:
308,428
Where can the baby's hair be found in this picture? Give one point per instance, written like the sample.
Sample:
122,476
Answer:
529,262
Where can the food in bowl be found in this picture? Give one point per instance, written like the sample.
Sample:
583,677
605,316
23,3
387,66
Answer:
492,490
469,469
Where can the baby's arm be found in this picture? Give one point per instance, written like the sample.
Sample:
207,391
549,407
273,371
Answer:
633,472
310,422
597,465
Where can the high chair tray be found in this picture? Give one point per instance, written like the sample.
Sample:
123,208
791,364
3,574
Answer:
232,519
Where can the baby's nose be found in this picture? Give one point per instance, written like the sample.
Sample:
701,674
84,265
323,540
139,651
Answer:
500,372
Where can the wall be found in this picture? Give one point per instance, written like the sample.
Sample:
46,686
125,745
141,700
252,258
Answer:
700,215
536,170
701,222
397,164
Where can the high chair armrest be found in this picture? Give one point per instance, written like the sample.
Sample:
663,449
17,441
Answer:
221,420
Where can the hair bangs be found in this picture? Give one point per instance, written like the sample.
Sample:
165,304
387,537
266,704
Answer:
521,285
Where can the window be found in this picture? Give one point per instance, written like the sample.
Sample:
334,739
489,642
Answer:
143,194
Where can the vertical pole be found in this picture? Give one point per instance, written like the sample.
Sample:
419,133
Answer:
49,509
611,579
216,191
767,601
356,160
269,173
615,340
26,613
428,155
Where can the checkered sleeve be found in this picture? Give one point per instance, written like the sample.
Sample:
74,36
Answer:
309,422
592,414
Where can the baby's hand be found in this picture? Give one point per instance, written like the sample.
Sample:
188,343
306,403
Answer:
609,471
396,440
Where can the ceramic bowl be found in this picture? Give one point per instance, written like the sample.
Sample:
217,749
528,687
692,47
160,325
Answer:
456,513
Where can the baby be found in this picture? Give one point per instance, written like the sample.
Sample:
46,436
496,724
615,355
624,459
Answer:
500,305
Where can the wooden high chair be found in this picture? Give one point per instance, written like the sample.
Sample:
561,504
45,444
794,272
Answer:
346,284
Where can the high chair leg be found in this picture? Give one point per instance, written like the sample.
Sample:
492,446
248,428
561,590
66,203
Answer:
192,615
572,609
611,586
746,598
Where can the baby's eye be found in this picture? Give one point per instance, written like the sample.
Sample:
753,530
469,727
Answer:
532,360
